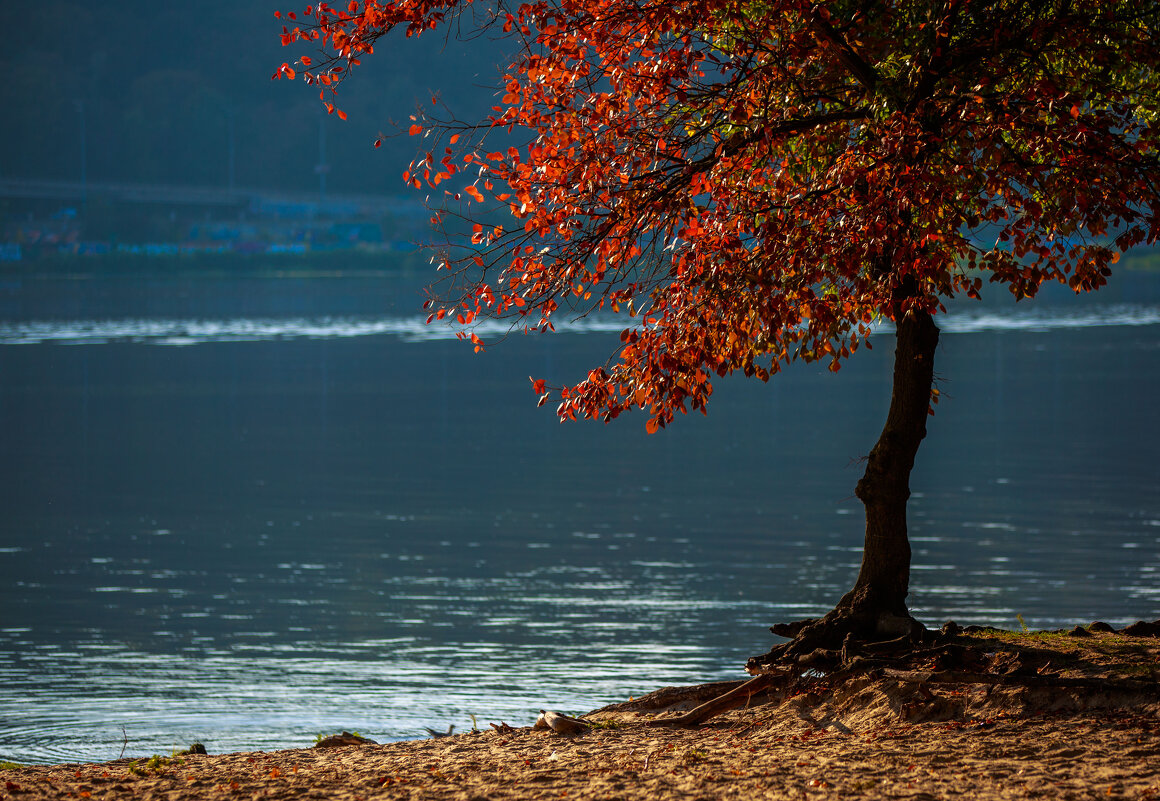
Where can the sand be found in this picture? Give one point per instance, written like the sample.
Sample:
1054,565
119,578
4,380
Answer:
870,736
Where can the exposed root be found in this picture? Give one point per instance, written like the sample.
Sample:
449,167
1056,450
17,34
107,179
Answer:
739,696
916,658
832,641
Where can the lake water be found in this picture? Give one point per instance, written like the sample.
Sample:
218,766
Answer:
249,511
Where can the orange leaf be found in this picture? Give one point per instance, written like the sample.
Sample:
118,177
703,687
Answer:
475,193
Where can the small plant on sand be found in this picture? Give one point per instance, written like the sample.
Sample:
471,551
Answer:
156,764
9,766
194,748
605,724
692,756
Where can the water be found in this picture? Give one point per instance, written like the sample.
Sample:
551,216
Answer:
250,511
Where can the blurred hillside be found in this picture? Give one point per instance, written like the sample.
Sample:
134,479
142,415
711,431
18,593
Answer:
145,127
147,92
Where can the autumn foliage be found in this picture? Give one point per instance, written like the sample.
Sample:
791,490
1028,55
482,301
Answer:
754,182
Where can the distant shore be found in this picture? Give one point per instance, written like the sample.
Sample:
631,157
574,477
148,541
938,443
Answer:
383,258
318,263
873,737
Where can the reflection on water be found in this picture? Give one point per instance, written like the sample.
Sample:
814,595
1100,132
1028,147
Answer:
279,697
314,520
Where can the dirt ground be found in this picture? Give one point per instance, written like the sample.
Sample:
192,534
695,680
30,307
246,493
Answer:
872,736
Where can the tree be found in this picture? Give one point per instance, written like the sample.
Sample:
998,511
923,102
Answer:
752,182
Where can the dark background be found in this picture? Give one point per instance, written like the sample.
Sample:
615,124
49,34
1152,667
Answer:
158,88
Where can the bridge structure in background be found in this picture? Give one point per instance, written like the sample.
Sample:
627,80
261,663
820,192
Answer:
259,201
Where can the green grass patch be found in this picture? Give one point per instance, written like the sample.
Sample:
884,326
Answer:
1113,645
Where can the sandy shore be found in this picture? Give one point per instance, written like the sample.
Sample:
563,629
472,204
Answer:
775,751
873,737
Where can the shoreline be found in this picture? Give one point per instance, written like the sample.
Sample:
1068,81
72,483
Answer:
771,753
1095,731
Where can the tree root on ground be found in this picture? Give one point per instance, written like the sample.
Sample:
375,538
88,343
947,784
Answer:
739,696
916,658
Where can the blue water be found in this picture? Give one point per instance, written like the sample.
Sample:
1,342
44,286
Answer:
249,511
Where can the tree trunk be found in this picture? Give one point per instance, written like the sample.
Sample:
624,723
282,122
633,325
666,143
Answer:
875,609
884,579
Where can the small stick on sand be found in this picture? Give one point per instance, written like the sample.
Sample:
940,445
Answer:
722,703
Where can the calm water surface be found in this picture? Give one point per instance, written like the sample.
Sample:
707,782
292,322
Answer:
247,512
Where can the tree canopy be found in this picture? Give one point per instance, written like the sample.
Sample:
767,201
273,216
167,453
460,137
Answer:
753,182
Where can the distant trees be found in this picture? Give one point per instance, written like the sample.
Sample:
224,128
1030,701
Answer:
157,107
752,183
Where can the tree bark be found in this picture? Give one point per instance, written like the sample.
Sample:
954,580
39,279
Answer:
884,579
875,609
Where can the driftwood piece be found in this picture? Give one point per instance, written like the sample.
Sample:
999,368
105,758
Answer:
344,739
561,724
669,699
739,696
